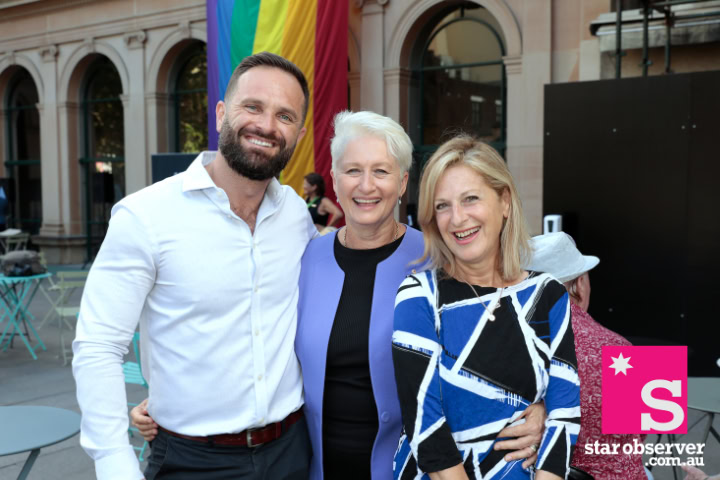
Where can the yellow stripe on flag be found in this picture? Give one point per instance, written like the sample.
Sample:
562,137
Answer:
298,46
270,26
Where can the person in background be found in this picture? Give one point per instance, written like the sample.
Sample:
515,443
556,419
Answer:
556,254
322,210
478,339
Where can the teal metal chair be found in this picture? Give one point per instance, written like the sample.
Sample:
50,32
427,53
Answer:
63,307
133,375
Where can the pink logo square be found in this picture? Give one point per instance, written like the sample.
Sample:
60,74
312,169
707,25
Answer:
644,389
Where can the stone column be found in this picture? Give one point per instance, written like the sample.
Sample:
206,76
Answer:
397,81
354,82
396,86
51,184
527,76
372,94
61,235
137,162
158,105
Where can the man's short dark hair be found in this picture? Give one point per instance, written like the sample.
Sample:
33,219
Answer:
267,59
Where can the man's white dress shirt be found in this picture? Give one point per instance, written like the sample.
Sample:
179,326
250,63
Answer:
217,311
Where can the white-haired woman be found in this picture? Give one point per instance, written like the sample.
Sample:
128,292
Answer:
477,339
347,286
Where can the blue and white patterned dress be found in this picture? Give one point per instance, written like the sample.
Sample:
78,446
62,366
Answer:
462,378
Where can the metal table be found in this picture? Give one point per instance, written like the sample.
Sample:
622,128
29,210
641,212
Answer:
15,305
30,428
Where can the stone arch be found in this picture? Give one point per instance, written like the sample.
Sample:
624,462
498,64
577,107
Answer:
75,68
8,67
406,31
70,97
160,75
164,56
25,198
355,64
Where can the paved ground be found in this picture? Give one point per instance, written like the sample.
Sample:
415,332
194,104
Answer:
24,381
45,381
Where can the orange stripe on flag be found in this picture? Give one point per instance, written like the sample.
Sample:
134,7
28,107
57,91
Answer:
298,46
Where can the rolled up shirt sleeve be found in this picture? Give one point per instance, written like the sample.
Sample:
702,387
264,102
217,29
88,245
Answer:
118,284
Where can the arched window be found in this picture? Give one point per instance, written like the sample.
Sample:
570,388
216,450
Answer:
23,192
462,79
104,148
458,84
190,101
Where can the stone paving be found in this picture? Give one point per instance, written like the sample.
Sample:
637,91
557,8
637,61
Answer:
24,381
45,381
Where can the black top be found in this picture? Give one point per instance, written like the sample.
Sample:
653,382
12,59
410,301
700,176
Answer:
313,206
350,418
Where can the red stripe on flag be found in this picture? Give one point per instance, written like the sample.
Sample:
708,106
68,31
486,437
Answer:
330,89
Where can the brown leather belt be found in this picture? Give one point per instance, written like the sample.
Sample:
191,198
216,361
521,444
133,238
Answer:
252,437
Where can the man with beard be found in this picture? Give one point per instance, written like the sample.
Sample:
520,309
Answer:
207,262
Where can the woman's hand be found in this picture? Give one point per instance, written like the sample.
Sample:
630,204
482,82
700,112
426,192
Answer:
142,421
527,436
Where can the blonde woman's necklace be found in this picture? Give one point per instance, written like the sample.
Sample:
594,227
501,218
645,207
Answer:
493,306
397,230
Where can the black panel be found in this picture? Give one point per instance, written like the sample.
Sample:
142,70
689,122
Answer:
636,183
703,214
166,165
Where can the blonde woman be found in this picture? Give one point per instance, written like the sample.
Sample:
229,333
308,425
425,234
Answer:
478,339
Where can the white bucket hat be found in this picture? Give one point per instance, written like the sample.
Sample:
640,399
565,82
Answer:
556,254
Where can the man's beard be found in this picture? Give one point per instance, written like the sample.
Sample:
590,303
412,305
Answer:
251,164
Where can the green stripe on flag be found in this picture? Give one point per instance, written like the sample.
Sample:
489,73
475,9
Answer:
244,23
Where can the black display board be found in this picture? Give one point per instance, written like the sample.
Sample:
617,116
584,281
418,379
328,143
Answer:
166,165
633,166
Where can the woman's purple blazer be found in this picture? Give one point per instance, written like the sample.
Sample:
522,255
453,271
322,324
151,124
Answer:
321,282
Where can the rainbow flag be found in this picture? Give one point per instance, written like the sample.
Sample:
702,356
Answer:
310,33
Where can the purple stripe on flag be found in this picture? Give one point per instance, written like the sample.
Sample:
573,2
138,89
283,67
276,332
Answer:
213,81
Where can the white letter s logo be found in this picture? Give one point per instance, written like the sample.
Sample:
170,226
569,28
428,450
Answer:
646,421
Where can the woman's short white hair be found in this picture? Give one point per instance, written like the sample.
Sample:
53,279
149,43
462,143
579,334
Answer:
351,125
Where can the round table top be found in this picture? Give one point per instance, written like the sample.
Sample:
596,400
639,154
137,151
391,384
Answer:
5,279
26,428
704,394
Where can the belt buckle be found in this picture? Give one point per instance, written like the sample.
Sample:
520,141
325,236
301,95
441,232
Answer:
248,437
